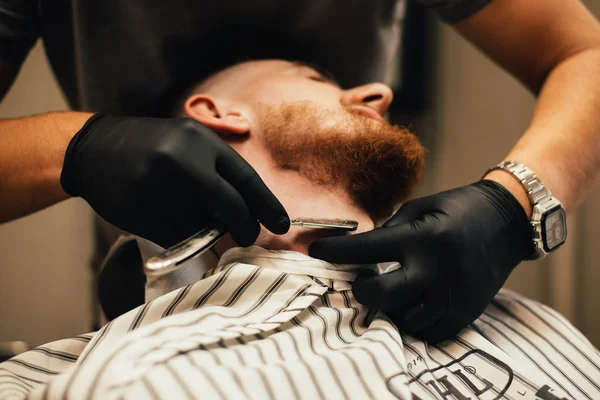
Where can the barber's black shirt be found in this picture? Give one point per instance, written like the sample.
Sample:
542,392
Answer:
129,56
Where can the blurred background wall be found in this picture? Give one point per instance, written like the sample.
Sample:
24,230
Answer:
45,276
477,114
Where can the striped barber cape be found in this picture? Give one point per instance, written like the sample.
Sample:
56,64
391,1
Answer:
281,325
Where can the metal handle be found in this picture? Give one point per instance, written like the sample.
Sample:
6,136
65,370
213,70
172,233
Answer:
169,260
326,223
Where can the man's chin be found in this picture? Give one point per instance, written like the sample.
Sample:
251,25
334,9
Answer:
377,164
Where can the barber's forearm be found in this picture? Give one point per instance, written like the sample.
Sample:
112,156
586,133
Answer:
31,160
562,144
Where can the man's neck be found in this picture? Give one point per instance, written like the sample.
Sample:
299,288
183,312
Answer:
304,199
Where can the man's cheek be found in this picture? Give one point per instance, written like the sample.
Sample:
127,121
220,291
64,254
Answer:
267,94
332,119
297,92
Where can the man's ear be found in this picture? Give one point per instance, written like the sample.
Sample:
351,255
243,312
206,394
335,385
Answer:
219,115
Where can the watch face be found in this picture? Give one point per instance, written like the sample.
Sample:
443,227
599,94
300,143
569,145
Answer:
554,231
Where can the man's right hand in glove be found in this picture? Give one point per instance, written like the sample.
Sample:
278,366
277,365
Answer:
163,179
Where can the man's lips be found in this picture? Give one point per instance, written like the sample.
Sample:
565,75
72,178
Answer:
366,112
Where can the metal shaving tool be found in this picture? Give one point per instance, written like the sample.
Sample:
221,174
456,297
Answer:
323,223
172,258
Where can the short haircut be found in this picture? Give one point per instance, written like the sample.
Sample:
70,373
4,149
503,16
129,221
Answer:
176,109
236,42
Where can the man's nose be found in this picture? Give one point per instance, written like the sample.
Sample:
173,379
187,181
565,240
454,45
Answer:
377,96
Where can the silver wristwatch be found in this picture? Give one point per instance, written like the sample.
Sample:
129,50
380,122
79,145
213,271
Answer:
549,220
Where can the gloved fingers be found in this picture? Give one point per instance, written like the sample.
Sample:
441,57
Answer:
162,230
227,205
452,322
388,292
258,197
164,237
167,235
378,245
191,214
165,210
424,315
408,212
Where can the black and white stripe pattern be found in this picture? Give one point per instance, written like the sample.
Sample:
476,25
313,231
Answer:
263,331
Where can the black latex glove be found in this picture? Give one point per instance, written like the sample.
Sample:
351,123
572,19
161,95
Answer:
456,249
163,179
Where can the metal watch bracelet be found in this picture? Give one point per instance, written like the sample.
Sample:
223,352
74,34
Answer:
536,191
543,204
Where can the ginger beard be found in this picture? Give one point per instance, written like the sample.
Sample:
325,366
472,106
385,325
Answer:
375,163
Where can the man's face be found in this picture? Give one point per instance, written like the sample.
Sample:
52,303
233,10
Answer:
308,124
